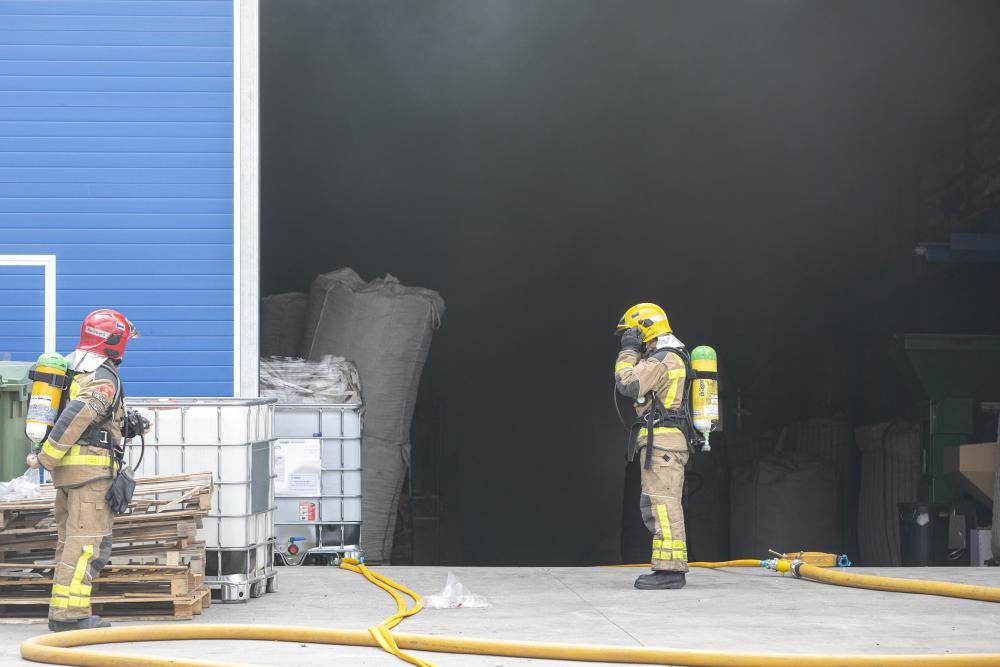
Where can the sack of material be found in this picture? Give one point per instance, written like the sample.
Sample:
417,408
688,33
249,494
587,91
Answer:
385,328
282,317
331,380
832,440
786,502
995,538
828,440
890,474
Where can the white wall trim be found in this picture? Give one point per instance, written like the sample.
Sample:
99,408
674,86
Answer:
246,197
48,263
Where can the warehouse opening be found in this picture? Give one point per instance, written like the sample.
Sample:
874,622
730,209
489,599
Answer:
799,187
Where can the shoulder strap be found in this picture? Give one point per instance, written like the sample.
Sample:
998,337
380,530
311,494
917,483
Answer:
118,397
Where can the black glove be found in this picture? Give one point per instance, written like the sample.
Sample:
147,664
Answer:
632,339
119,496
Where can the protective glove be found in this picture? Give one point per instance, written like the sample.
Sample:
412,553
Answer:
119,496
632,339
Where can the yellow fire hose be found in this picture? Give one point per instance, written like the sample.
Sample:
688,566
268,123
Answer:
60,648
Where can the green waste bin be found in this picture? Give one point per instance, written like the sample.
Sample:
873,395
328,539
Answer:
15,389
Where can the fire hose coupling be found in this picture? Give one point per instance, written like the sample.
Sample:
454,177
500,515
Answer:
817,558
782,565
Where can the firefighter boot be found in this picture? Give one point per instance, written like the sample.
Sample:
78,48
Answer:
85,623
660,579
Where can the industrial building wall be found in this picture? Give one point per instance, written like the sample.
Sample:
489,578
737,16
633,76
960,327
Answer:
116,156
544,165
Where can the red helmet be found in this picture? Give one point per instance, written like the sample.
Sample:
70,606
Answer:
106,332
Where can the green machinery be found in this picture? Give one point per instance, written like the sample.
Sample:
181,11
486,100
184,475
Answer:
960,376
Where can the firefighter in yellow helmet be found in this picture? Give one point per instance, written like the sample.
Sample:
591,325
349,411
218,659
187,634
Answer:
82,453
651,369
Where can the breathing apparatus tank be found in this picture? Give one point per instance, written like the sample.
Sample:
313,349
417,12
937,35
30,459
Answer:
49,381
705,392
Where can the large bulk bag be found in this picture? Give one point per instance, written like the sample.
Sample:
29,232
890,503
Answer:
996,499
785,502
832,440
828,440
328,293
385,328
890,474
282,317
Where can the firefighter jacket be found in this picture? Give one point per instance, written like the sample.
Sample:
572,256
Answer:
663,373
81,445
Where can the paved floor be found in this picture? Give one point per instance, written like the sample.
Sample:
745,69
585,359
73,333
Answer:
749,610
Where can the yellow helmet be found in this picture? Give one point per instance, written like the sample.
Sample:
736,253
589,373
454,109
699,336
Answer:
648,318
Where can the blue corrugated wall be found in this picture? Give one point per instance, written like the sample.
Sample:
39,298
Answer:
116,155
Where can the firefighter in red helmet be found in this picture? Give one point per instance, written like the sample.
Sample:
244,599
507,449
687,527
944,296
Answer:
79,453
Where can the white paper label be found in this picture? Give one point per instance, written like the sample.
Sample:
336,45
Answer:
303,484
295,458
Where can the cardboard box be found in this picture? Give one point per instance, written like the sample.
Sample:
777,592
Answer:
973,468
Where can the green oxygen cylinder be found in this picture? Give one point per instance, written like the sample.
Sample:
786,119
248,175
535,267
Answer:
705,392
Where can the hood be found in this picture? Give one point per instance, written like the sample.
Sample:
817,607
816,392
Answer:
668,340
82,361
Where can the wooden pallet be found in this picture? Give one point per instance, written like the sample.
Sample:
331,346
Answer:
114,607
157,566
178,581
152,495
191,554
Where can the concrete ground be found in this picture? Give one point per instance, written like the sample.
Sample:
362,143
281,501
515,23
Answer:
733,610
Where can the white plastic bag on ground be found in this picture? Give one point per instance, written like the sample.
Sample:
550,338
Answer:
20,488
455,595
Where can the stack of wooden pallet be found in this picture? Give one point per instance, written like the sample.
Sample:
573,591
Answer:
157,566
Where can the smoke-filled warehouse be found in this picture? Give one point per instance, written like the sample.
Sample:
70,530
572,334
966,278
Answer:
607,331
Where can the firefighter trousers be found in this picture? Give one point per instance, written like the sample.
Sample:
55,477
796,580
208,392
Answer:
662,512
84,521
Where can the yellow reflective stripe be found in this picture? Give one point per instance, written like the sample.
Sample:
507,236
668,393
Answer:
622,365
675,375
76,584
661,511
680,544
75,458
671,394
86,460
52,452
60,603
660,430
59,589
79,601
